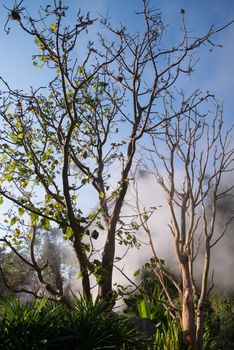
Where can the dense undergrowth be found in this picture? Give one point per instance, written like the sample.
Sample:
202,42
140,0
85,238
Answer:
219,324
84,325
87,325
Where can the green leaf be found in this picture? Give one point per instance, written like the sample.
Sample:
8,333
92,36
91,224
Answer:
85,181
95,234
144,308
34,219
8,177
4,245
68,233
101,195
37,41
162,261
80,70
20,136
24,184
87,247
53,26
79,275
85,154
14,220
1,200
45,223
137,273
21,211
48,198
10,167
30,235
17,232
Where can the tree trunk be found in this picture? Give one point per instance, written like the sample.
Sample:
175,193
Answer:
83,268
188,315
203,296
200,325
85,282
105,287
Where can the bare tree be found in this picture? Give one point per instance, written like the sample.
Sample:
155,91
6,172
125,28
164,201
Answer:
84,127
189,160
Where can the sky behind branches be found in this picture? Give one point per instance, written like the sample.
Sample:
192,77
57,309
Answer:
213,72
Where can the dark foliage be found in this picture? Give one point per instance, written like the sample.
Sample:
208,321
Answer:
85,325
219,325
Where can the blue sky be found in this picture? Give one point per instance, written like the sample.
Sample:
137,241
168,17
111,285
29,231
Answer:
214,72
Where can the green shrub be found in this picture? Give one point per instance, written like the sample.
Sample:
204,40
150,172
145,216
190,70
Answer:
219,324
85,325
152,307
93,325
27,326
168,333
169,336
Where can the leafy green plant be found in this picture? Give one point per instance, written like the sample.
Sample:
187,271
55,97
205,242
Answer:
27,326
152,307
93,325
85,325
219,323
168,333
169,336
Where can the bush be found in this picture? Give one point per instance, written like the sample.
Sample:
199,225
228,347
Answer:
168,334
219,324
27,326
85,325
